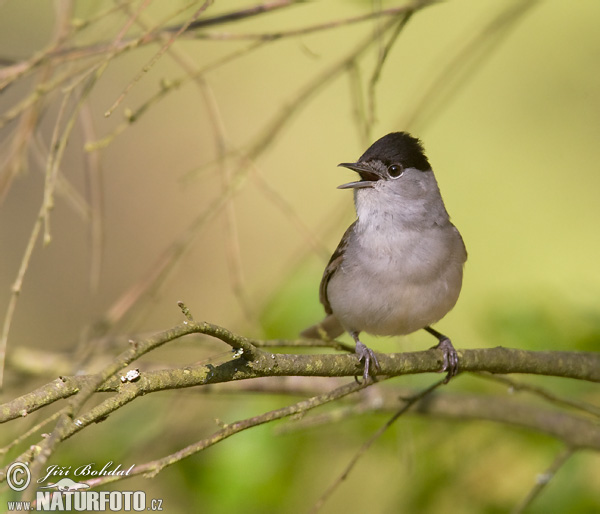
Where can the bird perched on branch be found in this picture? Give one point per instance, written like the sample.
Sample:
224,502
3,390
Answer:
399,266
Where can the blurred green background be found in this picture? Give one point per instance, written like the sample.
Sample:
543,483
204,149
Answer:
506,99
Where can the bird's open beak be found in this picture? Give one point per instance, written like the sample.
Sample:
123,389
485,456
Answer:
367,175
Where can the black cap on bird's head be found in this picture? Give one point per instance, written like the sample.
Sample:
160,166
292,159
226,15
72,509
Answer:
386,159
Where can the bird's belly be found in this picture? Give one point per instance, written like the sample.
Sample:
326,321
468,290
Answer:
395,293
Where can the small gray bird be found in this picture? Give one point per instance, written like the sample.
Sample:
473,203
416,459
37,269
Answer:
399,266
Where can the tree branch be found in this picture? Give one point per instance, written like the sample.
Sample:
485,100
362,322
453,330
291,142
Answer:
252,362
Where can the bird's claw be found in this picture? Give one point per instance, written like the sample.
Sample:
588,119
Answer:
450,362
367,355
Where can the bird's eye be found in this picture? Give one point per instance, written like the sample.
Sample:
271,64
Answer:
395,170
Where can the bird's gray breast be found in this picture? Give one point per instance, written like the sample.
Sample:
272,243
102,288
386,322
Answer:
394,280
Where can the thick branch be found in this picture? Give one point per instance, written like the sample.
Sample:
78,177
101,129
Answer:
252,362
573,430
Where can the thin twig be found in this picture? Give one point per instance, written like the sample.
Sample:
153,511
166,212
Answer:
287,209
64,188
450,75
303,31
224,172
359,111
152,468
404,19
409,402
260,146
16,290
56,56
31,431
156,57
543,480
166,87
543,393
93,181
57,148
274,128
333,219
62,31
68,422
156,276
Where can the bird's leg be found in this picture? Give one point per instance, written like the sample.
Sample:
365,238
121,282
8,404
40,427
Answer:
450,355
365,354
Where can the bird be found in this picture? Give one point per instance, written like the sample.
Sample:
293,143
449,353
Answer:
399,266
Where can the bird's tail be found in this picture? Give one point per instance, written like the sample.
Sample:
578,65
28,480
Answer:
329,328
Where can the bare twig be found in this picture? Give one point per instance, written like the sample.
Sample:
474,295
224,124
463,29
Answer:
371,118
93,176
252,362
57,148
157,56
451,75
286,208
242,14
64,188
543,393
573,430
359,110
36,428
409,402
16,290
245,162
543,480
151,469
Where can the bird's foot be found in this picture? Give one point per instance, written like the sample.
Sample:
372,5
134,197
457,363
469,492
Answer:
450,363
450,358
367,355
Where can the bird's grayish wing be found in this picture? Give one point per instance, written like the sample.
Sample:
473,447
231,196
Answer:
334,263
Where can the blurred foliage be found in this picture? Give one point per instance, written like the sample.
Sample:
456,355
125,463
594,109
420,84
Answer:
542,322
